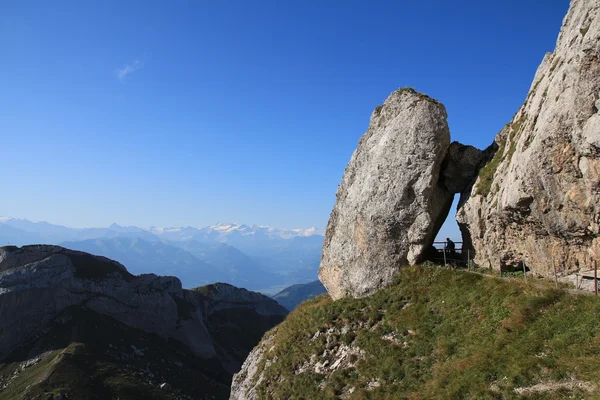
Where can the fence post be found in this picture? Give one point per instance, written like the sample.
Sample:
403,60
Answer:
524,273
555,276
468,259
596,277
444,256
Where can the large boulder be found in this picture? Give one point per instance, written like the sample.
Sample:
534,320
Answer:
390,202
538,200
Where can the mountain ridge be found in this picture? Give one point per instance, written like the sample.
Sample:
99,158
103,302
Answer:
256,257
53,301
222,229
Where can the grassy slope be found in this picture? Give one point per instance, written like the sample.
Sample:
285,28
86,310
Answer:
460,335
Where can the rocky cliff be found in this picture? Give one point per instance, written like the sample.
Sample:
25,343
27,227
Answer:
388,202
395,194
538,200
42,286
532,197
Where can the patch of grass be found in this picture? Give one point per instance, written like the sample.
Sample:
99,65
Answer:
413,91
206,290
462,336
585,30
513,274
515,132
534,88
554,64
486,174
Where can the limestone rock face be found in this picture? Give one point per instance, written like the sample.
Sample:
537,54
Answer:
38,283
461,166
244,386
390,200
538,199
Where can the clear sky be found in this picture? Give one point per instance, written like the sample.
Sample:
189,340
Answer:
173,113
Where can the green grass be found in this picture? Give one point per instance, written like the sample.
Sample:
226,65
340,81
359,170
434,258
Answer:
515,131
461,336
554,64
585,30
486,174
207,290
413,91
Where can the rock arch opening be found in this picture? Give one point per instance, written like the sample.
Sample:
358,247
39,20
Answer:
458,172
449,229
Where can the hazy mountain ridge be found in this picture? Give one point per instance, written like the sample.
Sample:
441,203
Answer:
218,233
228,232
141,256
254,257
193,262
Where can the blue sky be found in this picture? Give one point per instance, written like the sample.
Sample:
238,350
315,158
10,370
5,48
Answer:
196,112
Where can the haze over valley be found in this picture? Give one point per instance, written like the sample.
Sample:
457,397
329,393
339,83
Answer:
254,257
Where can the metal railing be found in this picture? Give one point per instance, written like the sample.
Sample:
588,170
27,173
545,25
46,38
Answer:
459,257
454,256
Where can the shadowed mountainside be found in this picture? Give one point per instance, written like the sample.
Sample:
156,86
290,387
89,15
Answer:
82,326
292,296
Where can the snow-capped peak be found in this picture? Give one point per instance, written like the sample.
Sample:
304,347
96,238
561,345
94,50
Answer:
221,231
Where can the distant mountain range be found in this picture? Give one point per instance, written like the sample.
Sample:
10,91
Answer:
232,232
255,257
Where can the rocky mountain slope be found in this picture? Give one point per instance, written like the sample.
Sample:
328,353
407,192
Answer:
538,200
72,321
292,296
142,256
433,334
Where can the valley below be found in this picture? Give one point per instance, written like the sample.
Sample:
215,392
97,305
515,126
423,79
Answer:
253,257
